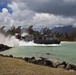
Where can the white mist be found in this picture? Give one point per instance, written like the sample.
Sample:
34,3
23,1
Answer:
9,40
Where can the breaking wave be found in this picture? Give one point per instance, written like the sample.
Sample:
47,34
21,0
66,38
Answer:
8,40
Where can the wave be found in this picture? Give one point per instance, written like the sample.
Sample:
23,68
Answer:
8,40
31,43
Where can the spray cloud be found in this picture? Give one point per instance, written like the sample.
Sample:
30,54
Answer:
8,40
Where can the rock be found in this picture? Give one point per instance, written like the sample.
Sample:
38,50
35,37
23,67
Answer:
44,61
40,62
4,47
71,67
56,64
2,55
11,56
42,58
61,66
64,63
19,57
26,59
32,60
6,56
48,53
49,63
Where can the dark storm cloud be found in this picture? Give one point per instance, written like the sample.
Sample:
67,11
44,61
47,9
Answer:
57,7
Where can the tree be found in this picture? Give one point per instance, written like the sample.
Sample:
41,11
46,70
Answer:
30,30
14,30
45,31
2,29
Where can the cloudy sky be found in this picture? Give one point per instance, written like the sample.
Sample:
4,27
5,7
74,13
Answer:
40,13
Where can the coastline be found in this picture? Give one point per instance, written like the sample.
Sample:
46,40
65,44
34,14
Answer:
45,62
17,66
67,41
48,54
4,47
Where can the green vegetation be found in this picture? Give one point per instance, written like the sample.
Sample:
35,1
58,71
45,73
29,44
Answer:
66,36
10,31
14,30
71,36
13,66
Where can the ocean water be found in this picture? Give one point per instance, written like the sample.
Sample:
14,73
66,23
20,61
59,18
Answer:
66,51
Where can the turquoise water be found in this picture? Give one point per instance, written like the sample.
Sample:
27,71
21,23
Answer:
64,52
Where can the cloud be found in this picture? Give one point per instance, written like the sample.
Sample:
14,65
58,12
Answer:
38,13
70,1
4,10
21,15
57,7
13,6
5,18
46,19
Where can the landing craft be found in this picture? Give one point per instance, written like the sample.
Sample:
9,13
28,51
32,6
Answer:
46,39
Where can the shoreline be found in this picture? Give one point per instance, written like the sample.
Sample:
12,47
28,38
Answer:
4,47
17,66
45,62
67,41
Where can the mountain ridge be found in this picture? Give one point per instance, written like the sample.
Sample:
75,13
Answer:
64,29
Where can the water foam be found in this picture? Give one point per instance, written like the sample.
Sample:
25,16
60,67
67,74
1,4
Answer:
31,43
8,40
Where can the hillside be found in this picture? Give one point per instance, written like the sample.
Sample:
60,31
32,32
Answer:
13,66
64,29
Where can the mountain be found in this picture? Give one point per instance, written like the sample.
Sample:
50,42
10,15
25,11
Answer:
64,29
73,31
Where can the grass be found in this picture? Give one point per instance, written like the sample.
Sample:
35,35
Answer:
13,66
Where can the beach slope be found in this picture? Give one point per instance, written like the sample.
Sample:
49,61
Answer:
13,66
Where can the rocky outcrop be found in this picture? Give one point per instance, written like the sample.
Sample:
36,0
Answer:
4,47
53,64
46,62
71,67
